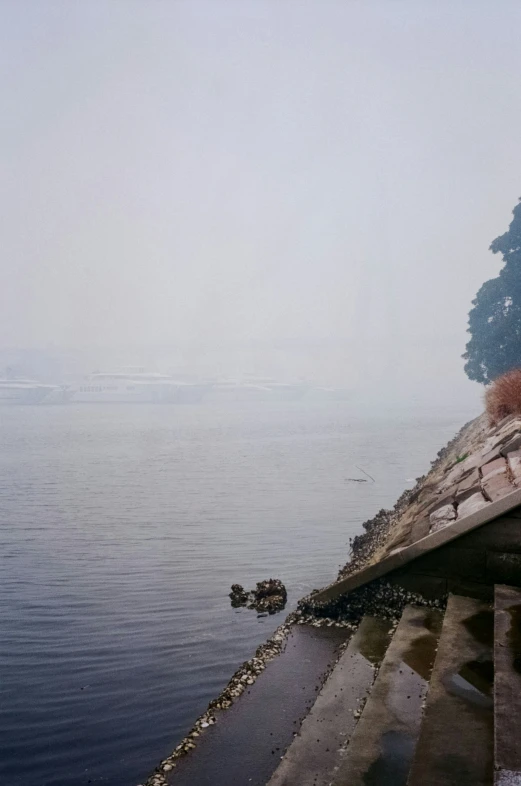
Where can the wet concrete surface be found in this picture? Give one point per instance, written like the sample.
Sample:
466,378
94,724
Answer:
507,778
507,686
456,740
246,744
383,744
317,751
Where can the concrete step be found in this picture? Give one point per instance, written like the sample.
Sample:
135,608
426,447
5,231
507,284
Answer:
315,753
383,743
244,746
507,686
456,741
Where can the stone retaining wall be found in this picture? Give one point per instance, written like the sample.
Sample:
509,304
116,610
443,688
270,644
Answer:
469,565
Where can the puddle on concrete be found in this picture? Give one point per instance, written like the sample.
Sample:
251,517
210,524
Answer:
406,685
372,639
481,627
514,636
316,754
473,683
456,745
422,651
432,621
474,680
392,766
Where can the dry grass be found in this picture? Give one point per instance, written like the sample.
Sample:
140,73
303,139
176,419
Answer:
503,397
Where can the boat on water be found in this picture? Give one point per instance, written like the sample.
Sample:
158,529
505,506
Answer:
29,391
190,392
256,389
136,386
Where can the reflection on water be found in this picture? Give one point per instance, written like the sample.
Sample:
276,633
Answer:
122,531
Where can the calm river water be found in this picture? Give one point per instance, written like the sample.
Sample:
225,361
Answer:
122,529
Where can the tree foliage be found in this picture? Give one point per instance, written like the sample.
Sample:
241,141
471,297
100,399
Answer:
495,319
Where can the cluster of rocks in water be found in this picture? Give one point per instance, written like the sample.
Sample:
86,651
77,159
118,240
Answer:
268,597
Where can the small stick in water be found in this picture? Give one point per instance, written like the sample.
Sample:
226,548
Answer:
366,473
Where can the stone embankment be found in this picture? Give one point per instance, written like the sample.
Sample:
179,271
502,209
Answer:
457,531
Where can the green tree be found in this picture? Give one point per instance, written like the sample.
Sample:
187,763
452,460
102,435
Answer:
495,319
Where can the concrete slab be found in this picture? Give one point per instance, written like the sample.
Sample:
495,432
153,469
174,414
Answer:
244,747
504,534
507,684
506,778
383,743
462,563
316,752
456,740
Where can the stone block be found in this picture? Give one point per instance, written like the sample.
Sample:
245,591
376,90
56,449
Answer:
434,502
439,499
441,517
504,568
503,422
514,465
470,480
512,426
405,522
496,485
464,494
470,463
498,466
471,505
468,487
398,541
490,455
420,529
489,444
506,433
455,476
513,444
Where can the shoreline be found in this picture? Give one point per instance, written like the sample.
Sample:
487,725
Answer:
381,599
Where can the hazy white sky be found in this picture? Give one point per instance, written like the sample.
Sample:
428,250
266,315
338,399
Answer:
220,171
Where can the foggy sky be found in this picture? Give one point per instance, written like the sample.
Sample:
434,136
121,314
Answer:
207,174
